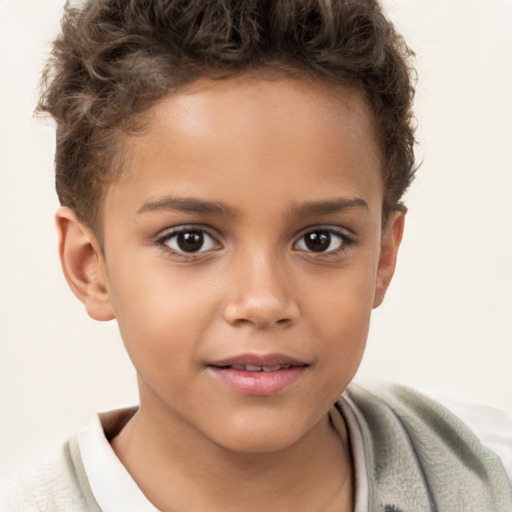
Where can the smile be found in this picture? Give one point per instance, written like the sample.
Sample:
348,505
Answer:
261,376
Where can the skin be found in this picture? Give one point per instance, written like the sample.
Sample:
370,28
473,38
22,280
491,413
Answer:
283,159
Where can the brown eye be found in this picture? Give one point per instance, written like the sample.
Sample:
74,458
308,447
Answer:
191,241
317,241
322,241
188,240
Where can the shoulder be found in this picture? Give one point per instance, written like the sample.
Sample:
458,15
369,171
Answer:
446,418
412,441
53,482
492,426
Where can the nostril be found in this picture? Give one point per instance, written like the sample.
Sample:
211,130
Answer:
241,321
261,310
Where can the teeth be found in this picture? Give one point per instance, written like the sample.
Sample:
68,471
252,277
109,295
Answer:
251,368
272,368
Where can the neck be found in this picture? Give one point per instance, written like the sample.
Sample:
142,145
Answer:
313,474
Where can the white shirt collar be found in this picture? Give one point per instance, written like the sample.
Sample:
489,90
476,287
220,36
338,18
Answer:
111,484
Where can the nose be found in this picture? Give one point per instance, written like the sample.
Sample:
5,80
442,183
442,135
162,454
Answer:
260,294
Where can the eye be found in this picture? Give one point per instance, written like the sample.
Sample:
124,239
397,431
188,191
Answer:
323,240
188,240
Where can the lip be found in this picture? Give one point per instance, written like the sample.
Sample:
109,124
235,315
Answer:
253,359
263,383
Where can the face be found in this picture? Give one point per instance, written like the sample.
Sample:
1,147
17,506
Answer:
243,248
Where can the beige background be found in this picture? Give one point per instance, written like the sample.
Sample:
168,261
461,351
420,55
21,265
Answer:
446,324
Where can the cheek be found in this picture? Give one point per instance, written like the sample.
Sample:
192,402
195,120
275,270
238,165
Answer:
341,343
162,315
344,330
341,315
342,301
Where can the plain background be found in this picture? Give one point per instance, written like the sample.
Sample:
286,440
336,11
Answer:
446,322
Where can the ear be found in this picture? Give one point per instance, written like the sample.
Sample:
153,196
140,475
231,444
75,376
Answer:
391,238
83,264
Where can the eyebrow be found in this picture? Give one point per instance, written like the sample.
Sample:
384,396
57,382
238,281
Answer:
330,206
193,205
186,204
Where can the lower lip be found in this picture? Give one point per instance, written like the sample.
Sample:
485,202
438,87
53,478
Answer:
258,383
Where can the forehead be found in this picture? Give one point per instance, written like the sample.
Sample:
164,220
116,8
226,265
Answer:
284,106
245,135
253,97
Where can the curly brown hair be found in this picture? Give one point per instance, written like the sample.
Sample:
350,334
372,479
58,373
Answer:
115,58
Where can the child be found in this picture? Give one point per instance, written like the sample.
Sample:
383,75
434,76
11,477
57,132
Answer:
230,175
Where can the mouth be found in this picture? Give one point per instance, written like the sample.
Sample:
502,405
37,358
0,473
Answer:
258,368
255,375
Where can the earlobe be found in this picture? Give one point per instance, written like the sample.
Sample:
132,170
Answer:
391,239
83,264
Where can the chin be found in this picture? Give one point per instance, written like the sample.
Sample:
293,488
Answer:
251,436
258,446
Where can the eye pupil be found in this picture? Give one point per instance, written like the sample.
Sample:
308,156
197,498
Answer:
190,241
318,241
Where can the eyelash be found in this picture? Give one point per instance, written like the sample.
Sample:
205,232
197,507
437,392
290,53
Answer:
164,240
345,241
